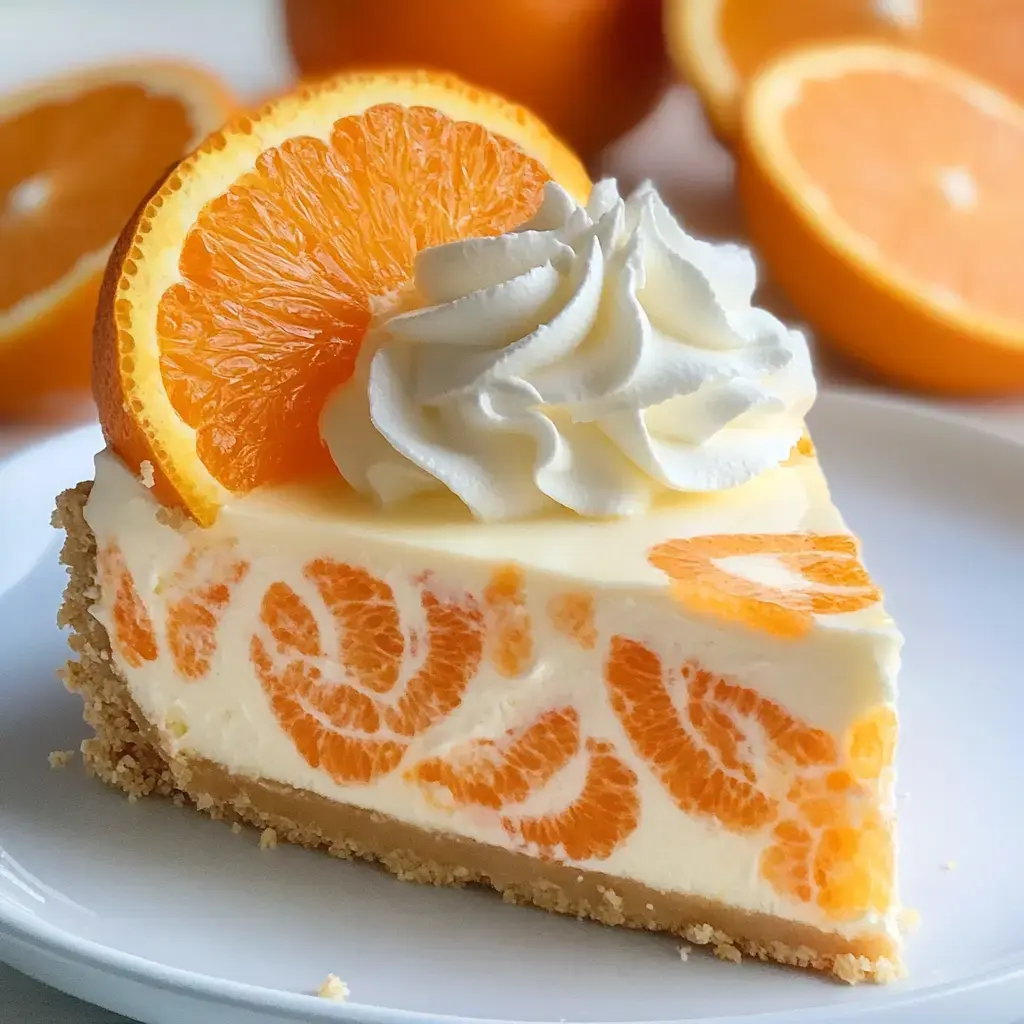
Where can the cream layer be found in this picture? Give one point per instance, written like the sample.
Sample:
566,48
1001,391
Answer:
830,677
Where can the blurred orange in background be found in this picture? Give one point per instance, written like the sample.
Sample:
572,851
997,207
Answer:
79,152
719,45
880,150
883,189
591,69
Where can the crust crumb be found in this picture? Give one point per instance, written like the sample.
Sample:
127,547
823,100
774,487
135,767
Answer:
332,987
60,758
724,951
684,953
236,827
848,968
268,839
146,474
613,898
702,934
885,971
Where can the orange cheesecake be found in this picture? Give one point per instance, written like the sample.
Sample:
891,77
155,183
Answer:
461,516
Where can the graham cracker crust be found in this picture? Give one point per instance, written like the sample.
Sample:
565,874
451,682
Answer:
125,752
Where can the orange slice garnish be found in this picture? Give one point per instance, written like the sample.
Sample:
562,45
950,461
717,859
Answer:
79,152
237,297
720,45
882,189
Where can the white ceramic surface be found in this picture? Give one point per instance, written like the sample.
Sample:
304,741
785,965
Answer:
156,912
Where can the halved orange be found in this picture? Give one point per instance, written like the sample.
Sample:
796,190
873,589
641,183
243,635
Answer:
237,297
79,152
720,45
882,187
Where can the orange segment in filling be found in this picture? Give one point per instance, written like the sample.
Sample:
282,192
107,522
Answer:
505,600
712,777
828,842
455,645
133,628
828,561
372,645
833,848
357,728
572,615
198,596
316,713
499,774
871,743
493,773
603,816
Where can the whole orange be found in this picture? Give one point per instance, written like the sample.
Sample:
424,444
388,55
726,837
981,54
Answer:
590,68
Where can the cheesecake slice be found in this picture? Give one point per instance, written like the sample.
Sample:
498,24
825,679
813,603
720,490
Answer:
460,515
681,722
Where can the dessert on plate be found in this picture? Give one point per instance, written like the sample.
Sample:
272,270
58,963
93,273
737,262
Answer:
461,516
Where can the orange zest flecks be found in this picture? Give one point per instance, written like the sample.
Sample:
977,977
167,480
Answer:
603,816
871,743
829,562
493,773
509,621
833,848
133,628
197,597
347,727
572,615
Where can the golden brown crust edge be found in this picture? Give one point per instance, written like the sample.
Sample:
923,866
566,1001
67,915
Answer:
125,752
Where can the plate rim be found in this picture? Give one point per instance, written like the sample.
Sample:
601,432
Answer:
53,944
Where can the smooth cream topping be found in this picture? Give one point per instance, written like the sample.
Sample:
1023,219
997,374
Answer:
593,358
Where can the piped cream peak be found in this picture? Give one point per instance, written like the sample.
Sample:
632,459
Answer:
593,358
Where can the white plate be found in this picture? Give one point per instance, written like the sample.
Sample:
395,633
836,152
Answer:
158,913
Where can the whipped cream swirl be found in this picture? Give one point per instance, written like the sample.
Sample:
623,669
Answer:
595,358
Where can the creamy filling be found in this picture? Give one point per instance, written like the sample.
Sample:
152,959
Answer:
224,709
